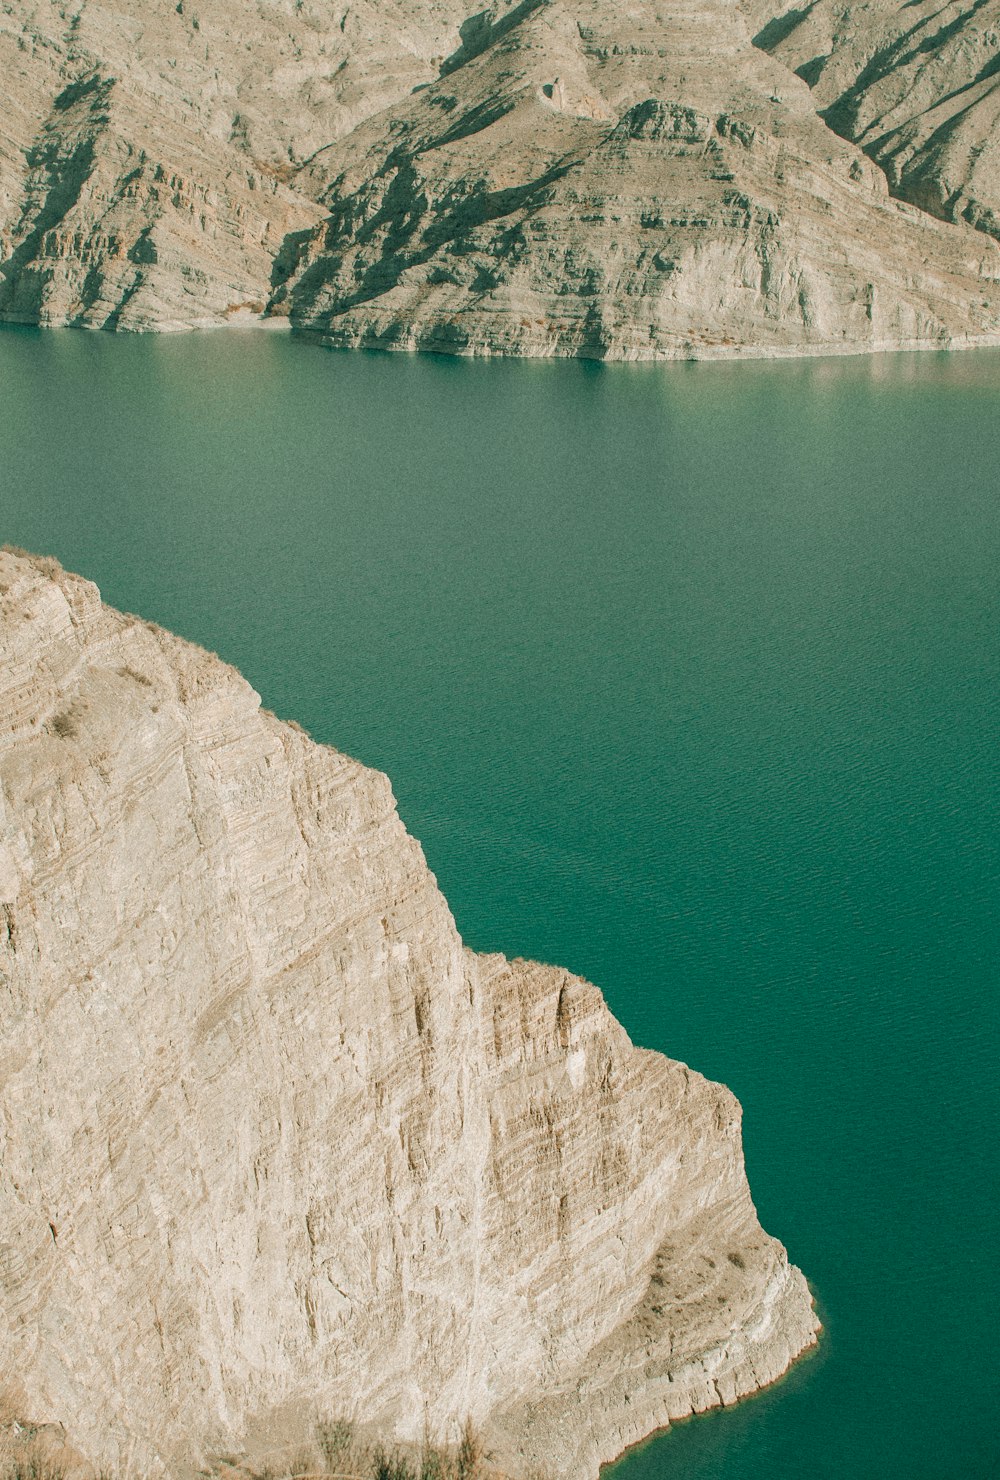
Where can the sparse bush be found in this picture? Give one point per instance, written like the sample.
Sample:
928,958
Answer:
334,1439
45,564
469,1460
30,1454
385,1466
433,1465
63,725
30,1462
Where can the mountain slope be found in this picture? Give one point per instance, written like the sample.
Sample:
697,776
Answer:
624,187
917,85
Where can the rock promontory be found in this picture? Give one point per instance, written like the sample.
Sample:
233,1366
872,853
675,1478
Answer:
273,1143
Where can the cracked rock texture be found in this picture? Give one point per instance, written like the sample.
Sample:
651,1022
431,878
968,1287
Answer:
273,1143
571,177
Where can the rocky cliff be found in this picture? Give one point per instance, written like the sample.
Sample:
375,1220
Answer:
540,177
273,1143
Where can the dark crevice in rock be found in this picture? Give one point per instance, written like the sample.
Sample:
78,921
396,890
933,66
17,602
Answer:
482,30
61,162
915,169
405,231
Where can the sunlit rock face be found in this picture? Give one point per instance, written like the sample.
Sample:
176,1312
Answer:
551,177
274,1143
917,86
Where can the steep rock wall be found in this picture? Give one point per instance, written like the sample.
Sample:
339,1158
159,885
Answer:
625,184
273,1143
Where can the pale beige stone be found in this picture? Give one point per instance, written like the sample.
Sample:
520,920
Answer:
273,1143
697,207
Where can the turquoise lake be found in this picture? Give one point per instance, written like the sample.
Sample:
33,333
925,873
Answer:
687,677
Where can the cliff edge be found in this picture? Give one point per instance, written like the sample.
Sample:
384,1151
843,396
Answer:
274,1143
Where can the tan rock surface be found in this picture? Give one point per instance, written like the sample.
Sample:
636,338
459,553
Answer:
273,1143
675,195
916,84
146,151
545,177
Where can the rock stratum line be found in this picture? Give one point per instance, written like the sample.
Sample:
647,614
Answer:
273,1143
634,180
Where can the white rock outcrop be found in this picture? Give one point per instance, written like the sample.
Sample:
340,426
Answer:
273,1142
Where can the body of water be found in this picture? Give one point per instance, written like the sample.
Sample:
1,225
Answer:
688,678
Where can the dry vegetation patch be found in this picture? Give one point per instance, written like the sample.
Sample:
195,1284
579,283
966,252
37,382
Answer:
339,1452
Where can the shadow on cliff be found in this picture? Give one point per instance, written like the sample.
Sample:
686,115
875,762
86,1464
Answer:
61,162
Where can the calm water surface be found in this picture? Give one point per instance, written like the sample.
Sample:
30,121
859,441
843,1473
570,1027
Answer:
686,677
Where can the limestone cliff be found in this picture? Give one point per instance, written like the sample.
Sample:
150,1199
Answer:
628,183
273,1143
540,177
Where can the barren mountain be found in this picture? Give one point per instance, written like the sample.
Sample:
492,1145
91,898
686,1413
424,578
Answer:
547,177
274,1144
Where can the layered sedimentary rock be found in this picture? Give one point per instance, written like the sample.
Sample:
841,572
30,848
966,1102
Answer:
273,1143
917,85
540,177
148,153
624,184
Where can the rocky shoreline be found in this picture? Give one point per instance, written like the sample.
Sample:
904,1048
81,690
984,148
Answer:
278,1144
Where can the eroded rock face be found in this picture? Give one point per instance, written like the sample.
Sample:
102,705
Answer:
625,183
541,177
274,1143
149,152
916,85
